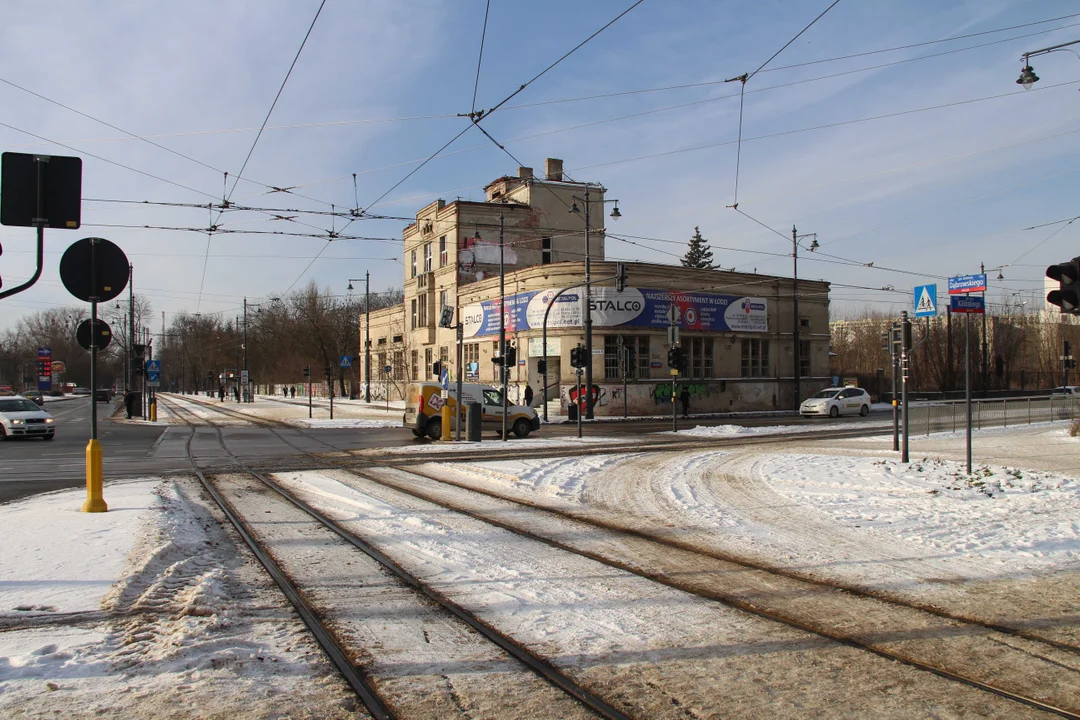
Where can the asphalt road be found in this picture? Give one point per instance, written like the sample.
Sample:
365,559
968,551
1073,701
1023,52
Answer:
31,466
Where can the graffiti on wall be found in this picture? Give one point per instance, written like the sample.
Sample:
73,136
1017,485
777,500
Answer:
599,396
662,391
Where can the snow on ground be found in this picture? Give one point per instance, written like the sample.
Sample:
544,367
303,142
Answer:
147,610
512,445
731,430
342,423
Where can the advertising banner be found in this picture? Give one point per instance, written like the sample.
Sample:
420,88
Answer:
634,307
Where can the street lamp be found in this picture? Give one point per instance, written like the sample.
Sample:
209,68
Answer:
1027,74
367,333
615,215
797,354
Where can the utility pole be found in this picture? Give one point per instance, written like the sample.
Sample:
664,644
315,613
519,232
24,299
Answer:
502,324
130,381
905,335
367,336
985,370
588,313
795,310
244,374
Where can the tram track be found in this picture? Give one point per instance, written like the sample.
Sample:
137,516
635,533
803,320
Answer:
357,679
1050,667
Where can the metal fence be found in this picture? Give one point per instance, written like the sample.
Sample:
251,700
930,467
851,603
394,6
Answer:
952,417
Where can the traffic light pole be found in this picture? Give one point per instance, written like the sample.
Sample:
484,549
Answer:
502,329
905,334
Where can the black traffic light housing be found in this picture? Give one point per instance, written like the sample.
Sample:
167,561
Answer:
577,356
676,358
620,277
541,366
307,371
446,320
511,356
436,368
1067,296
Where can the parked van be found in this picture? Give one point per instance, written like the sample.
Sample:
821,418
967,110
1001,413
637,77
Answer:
424,402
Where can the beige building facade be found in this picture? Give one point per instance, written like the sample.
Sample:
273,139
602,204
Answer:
737,329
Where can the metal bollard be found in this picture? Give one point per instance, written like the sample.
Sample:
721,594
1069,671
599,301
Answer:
447,435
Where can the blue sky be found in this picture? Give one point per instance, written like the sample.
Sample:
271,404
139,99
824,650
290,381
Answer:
948,175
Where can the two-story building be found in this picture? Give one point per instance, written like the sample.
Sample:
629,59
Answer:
737,329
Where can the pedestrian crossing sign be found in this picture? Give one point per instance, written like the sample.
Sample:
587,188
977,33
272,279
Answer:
925,301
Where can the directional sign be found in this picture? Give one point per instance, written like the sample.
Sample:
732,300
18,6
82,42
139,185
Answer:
444,379
345,361
967,304
967,284
925,301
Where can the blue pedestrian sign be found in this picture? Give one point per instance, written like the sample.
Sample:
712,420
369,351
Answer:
925,301
345,362
153,373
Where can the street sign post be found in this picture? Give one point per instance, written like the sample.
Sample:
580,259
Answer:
961,302
345,362
967,304
925,301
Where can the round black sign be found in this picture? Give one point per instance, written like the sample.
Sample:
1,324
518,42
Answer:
102,334
104,260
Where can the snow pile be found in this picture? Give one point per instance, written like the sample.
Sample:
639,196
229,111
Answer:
731,430
563,478
1009,519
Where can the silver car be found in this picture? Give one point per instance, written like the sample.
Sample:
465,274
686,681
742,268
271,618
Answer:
20,417
837,401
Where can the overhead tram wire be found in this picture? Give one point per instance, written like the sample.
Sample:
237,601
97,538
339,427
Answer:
744,78
262,128
474,117
480,59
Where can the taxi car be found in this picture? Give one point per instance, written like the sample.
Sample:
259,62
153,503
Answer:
20,417
34,395
834,402
424,402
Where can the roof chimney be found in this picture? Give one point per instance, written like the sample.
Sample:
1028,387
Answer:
553,169
524,173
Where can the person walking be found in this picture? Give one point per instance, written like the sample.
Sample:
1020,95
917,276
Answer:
221,393
285,392
292,391
684,397
528,395
236,393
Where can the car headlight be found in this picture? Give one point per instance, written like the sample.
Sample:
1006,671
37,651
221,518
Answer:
50,420
16,422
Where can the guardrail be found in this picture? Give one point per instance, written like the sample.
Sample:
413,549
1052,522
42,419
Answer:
952,417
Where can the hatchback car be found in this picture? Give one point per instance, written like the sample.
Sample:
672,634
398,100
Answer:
80,391
20,417
34,395
103,395
837,401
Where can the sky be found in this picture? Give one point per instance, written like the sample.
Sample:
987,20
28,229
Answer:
917,159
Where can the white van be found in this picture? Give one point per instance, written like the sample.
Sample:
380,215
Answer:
424,402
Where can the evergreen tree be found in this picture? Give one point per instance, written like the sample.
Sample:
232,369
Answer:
699,255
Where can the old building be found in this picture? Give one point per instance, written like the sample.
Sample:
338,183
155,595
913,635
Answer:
737,329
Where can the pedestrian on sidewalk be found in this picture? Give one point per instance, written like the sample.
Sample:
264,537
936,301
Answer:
221,393
292,391
236,393
528,395
684,396
285,392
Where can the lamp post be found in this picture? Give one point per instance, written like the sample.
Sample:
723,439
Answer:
797,354
615,215
1027,74
367,333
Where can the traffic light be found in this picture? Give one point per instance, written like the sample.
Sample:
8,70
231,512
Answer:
307,371
541,365
1067,296
511,356
446,320
140,351
577,356
620,277
436,368
497,360
676,358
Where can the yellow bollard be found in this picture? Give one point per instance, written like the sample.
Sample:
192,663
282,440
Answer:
153,410
447,435
94,500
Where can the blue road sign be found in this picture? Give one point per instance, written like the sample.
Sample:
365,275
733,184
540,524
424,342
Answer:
444,378
387,369
345,361
967,284
967,304
925,301
153,372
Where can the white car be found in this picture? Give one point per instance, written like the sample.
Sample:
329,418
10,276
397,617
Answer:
21,417
1066,390
837,401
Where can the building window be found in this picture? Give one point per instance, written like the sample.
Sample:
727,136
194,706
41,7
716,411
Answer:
429,354
701,357
442,300
397,339
545,251
415,357
381,341
444,355
399,365
804,323
415,319
755,357
422,307
427,257
382,363
636,348
804,358
471,358
413,264
442,251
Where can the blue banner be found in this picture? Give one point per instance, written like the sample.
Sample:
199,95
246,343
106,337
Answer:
634,307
